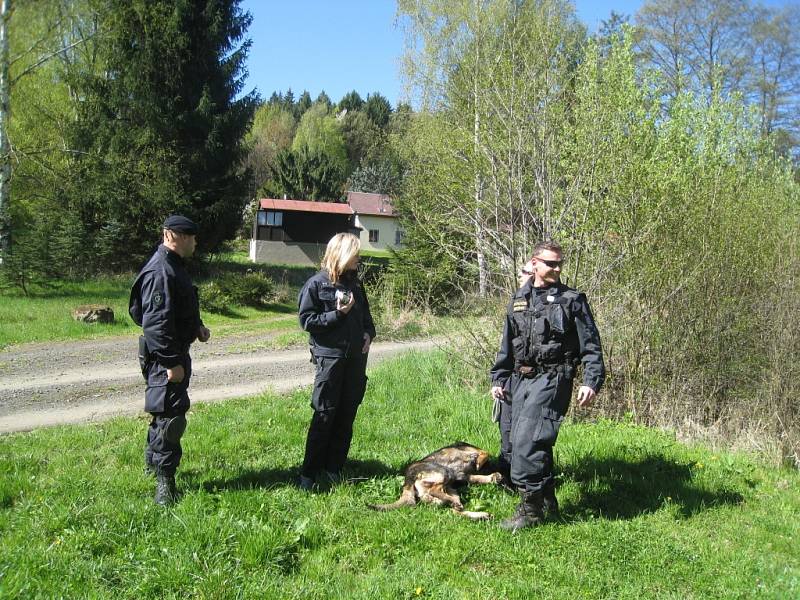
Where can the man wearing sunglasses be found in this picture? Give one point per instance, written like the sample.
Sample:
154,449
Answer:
549,330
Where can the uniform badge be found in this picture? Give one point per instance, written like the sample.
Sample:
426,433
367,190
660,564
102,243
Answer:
158,298
551,298
520,305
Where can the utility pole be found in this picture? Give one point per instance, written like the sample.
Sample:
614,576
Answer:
5,146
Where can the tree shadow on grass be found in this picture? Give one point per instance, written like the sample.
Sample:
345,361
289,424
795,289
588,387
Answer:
354,472
44,291
270,307
620,489
278,308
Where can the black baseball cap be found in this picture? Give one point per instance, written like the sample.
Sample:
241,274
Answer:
181,224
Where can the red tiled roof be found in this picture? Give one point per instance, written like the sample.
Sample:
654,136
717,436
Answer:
371,204
306,206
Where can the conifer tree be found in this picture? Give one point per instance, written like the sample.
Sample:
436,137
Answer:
161,128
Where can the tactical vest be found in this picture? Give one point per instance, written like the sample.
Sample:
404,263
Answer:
544,333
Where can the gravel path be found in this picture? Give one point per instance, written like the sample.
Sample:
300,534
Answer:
72,382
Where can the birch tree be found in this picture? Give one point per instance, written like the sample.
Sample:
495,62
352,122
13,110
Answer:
497,77
46,36
5,151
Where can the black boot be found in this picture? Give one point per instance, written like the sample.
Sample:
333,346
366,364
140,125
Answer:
166,492
550,502
527,514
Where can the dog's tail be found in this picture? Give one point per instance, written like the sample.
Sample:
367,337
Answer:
407,498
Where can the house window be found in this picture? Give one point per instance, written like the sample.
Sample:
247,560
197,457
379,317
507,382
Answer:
262,218
398,237
373,235
274,218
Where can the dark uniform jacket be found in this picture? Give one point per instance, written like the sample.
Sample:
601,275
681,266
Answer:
164,302
549,328
332,332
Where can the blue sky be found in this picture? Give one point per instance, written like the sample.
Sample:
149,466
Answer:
344,45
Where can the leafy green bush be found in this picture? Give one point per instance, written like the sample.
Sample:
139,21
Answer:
213,298
248,289
251,289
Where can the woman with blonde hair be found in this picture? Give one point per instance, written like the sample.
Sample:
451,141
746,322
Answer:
334,310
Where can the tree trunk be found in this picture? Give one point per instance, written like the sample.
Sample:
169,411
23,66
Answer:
480,242
5,147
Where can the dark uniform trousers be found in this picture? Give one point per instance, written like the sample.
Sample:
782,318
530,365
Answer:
538,407
167,403
339,388
504,423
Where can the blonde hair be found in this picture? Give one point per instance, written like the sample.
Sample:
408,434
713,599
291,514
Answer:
341,249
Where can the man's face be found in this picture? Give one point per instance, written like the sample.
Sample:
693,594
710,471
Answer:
184,243
546,268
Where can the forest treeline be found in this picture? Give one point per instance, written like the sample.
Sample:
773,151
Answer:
315,150
660,151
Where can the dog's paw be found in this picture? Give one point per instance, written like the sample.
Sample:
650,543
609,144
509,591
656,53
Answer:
497,478
458,506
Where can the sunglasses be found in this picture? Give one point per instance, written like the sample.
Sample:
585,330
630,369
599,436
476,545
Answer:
550,263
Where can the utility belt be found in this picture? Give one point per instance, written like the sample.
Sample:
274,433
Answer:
564,369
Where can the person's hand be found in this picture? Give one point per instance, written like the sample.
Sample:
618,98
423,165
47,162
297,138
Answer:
497,392
585,395
345,308
367,342
203,334
176,374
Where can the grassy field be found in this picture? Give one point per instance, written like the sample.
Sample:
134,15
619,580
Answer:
46,315
643,515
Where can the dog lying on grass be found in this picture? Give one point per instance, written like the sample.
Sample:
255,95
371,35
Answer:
433,479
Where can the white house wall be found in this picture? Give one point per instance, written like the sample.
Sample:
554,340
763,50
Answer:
387,228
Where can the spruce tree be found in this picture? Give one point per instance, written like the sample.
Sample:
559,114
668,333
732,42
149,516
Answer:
161,127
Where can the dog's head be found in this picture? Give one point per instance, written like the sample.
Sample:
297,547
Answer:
477,454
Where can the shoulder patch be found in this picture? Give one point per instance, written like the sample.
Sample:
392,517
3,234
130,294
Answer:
158,298
520,305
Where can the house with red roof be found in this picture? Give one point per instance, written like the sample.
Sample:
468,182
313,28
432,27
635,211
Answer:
296,232
377,221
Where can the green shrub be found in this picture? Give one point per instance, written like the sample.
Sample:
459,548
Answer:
247,289
251,289
213,298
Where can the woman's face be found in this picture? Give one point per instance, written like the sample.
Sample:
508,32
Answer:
352,264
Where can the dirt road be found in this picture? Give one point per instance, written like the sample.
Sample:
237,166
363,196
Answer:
72,382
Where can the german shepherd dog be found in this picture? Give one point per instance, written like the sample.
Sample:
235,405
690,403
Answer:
433,479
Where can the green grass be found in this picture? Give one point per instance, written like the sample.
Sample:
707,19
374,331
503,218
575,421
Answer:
644,516
49,317
46,315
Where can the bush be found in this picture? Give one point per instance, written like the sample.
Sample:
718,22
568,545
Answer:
251,289
248,289
213,298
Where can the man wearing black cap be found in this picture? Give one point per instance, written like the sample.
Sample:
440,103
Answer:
164,302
